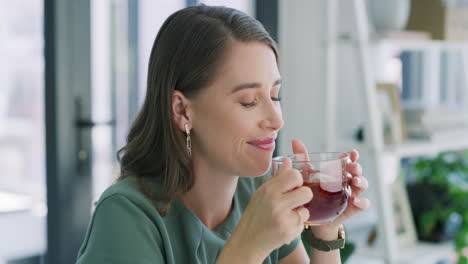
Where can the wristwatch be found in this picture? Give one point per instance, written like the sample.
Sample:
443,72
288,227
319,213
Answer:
323,245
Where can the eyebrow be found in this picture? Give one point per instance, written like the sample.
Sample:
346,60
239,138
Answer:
251,85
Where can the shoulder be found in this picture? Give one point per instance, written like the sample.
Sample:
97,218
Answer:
125,200
127,190
122,214
126,187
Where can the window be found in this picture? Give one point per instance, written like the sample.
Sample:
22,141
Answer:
22,130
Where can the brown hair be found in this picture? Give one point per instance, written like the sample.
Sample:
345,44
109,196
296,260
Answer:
187,52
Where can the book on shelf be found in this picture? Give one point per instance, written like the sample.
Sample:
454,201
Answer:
451,78
412,65
435,119
436,124
415,132
431,79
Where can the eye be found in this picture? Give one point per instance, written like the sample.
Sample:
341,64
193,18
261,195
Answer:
276,99
253,103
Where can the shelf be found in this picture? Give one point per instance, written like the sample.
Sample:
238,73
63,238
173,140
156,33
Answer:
411,147
427,253
414,148
420,253
420,44
356,259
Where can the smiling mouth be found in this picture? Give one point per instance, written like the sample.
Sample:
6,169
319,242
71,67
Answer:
264,144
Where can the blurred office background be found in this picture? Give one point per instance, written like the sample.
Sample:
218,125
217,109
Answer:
388,78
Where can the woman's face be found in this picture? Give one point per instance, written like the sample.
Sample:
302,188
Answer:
236,119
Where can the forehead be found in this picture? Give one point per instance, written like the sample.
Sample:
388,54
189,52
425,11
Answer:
247,62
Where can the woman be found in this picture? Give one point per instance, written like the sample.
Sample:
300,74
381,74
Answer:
189,191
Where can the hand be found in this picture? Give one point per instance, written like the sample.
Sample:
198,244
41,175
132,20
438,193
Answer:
356,203
275,215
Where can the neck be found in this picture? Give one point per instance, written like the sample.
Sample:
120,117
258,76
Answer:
210,199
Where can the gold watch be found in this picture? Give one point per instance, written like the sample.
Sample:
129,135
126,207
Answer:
323,245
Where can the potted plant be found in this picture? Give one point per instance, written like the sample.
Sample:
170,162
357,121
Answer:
438,193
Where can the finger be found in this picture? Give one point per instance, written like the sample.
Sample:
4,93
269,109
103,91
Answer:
297,197
304,213
297,219
361,203
353,155
287,179
360,182
283,163
354,168
299,147
355,206
286,164
280,164
359,185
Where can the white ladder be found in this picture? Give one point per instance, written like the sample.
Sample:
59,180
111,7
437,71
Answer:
373,133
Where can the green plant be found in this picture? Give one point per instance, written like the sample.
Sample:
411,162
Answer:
461,243
442,183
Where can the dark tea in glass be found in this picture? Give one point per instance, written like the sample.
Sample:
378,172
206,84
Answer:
325,174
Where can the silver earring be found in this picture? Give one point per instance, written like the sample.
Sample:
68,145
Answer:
189,140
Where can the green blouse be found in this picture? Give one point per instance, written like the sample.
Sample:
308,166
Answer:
126,228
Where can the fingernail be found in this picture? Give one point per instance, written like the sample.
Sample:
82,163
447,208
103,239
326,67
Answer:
358,181
357,202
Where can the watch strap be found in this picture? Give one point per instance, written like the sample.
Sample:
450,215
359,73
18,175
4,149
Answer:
324,245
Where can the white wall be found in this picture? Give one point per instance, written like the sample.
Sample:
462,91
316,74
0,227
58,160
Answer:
302,69
302,62
151,16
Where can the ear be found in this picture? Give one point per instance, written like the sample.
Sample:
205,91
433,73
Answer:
181,110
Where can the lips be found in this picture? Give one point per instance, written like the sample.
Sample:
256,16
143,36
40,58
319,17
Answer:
267,144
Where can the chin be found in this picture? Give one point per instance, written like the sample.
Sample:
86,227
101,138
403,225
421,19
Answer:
257,170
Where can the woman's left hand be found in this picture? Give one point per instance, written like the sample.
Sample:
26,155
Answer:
358,184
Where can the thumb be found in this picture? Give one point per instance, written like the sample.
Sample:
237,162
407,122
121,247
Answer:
287,164
280,164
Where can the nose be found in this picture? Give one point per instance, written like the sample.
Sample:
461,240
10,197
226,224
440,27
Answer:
273,116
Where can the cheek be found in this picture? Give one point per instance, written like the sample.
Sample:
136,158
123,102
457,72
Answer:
225,132
237,131
224,141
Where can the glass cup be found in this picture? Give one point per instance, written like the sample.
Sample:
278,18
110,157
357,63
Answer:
325,174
